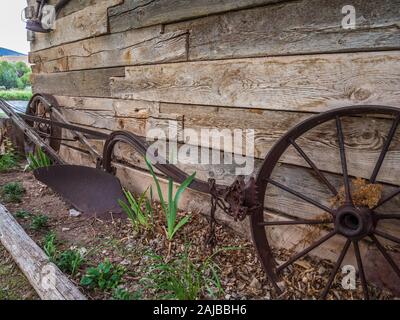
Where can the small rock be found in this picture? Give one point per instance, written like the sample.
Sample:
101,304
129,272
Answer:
255,284
74,213
82,251
304,280
125,262
65,229
321,270
282,285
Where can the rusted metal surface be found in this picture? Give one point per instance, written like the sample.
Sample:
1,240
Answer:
89,190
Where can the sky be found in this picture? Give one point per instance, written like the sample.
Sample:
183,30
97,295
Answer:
12,28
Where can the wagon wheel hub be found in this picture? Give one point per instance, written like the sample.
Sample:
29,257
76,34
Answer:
354,223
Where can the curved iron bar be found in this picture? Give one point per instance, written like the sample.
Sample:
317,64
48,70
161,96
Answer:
141,146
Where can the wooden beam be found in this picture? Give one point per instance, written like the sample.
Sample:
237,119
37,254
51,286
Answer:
89,22
45,277
297,83
134,14
86,83
135,47
295,27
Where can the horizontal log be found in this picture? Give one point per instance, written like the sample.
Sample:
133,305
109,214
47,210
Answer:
86,83
135,47
296,83
71,6
295,27
89,22
44,276
364,137
111,107
134,14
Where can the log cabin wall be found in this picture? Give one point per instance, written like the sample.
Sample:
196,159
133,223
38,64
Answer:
236,64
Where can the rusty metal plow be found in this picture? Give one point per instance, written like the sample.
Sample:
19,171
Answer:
95,190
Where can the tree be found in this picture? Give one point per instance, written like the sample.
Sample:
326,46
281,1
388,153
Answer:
8,75
14,75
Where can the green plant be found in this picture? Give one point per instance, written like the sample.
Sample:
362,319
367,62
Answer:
183,278
49,246
170,208
123,294
9,160
38,160
105,276
39,222
70,261
14,75
140,212
22,95
13,192
23,214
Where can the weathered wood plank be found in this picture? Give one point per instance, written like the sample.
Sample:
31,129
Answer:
297,27
296,83
71,7
135,47
111,107
364,137
87,83
44,276
141,13
89,22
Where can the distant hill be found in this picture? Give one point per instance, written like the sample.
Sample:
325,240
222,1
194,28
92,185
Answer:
8,52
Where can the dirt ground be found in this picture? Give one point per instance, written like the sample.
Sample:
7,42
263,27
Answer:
241,274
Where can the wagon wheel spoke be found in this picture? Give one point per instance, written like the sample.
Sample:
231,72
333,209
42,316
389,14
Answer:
343,161
294,222
305,251
387,198
388,216
361,271
386,255
335,269
301,196
320,175
385,149
387,236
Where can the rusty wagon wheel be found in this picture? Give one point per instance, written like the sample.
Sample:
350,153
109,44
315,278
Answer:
40,106
344,214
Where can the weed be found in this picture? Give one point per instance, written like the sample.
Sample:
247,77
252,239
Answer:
23,214
140,212
183,278
49,246
70,261
9,160
16,94
13,192
38,160
170,208
105,276
123,294
39,222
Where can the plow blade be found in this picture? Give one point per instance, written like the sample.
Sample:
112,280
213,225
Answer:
91,191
